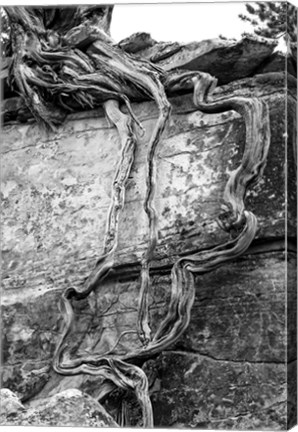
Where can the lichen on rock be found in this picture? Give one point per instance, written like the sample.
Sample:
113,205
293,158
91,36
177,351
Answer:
72,67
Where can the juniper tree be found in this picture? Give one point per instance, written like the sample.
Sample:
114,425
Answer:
272,19
5,32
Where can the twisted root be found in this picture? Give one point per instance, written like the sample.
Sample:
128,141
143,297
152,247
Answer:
55,79
119,369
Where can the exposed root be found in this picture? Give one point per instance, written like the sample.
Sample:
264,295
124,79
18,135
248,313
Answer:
125,376
256,116
143,312
54,77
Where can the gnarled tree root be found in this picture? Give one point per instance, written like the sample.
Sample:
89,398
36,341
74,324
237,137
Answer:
123,375
119,369
56,77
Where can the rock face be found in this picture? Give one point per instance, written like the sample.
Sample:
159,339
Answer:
228,371
229,368
227,60
68,408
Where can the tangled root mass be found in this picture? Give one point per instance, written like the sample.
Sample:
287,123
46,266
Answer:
65,60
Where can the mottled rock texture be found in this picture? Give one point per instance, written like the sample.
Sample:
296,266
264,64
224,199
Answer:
10,404
226,59
68,408
229,369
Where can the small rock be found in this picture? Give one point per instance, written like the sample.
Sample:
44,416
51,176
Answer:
137,42
68,408
9,403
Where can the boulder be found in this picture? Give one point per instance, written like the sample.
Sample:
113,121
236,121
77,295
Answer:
228,60
68,408
136,42
10,404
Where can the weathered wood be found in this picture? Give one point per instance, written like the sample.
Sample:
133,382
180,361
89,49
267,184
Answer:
55,77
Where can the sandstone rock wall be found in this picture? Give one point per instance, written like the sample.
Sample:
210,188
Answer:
229,369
